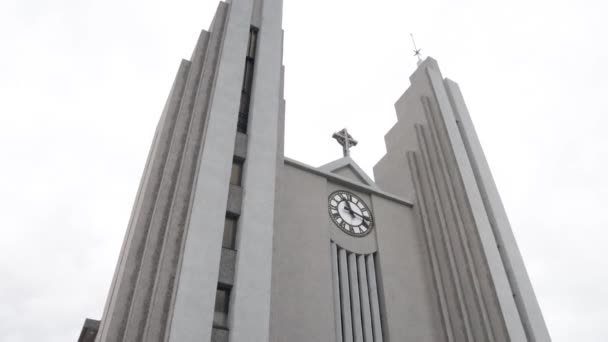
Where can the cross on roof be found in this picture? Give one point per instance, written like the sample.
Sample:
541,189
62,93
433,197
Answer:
346,140
417,51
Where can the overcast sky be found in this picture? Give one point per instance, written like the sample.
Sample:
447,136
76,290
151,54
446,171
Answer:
82,85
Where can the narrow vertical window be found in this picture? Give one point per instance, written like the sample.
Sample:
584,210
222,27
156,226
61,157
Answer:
222,304
229,240
247,81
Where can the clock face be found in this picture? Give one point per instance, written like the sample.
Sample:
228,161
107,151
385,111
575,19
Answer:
350,213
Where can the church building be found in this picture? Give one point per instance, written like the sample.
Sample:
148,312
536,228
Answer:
230,241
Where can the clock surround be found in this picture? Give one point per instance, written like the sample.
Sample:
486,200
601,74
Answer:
350,213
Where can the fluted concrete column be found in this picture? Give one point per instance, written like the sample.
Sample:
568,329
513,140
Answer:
199,269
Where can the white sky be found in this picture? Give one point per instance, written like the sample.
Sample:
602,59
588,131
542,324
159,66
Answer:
82,84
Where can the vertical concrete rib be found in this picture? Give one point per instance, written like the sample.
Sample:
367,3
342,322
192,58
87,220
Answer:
354,298
436,273
251,293
336,282
169,191
136,207
164,290
526,302
366,316
347,322
117,308
156,235
199,266
445,237
469,262
164,285
474,300
374,301
507,304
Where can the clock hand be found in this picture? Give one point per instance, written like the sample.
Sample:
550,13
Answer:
350,209
361,216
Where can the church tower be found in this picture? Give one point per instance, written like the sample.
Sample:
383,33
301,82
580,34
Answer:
230,241
200,234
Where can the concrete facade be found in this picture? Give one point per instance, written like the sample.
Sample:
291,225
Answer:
434,156
439,264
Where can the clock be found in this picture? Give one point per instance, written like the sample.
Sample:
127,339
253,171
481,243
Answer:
350,213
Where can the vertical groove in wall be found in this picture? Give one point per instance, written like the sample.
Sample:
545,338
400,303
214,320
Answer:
143,224
451,266
461,265
357,305
156,313
490,297
147,283
484,332
366,317
347,325
336,279
436,273
355,302
374,298
140,298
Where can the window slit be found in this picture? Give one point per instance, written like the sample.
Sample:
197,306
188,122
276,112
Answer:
246,90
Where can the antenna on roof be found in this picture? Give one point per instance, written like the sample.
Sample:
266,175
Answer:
417,51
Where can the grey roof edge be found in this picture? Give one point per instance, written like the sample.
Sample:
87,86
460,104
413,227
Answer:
348,161
345,181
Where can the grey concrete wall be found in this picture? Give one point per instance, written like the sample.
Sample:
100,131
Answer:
302,295
235,200
411,310
250,302
303,300
427,159
466,296
118,303
171,207
528,307
488,245
141,301
348,172
164,265
199,269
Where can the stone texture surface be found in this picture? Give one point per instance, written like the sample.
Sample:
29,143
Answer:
235,200
227,267
118,304
220,335
240,146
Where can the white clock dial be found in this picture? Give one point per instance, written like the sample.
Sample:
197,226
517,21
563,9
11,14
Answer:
350,213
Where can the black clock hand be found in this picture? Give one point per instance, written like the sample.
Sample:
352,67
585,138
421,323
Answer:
361,216
350,209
